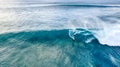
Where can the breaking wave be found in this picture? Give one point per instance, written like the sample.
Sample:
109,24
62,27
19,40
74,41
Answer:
102,20
37,35
56,48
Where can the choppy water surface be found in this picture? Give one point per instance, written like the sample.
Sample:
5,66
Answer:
59,35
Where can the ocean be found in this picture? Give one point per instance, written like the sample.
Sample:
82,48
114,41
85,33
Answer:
55,35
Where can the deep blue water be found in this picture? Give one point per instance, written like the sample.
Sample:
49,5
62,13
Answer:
55,48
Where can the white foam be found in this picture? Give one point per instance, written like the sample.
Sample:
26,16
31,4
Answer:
24,19
109,35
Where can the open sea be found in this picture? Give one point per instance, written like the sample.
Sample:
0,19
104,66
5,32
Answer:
59,35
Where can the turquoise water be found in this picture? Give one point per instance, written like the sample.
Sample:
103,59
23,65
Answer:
55,48
54,35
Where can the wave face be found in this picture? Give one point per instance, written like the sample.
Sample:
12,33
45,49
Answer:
103,20
56,48
49,35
